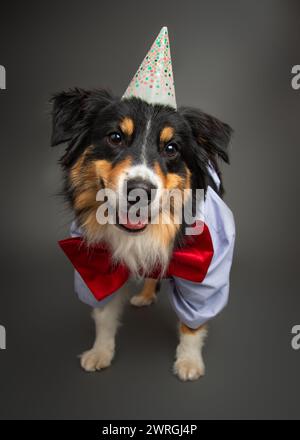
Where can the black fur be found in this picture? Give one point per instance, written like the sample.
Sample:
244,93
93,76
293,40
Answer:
211,135
73,114
81,116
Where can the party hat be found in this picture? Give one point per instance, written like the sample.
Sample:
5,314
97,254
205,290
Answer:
154,82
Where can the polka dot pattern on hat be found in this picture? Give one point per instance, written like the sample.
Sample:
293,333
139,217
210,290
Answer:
154,80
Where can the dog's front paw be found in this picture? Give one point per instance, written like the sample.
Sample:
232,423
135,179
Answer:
94,360
189,368
140,300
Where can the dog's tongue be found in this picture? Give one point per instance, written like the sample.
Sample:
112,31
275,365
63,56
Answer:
139,224
135,226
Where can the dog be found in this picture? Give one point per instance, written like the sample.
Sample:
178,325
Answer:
121,144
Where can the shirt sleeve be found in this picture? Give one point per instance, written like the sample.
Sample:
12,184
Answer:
196,303
81,289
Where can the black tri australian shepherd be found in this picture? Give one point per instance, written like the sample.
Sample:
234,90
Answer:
112,141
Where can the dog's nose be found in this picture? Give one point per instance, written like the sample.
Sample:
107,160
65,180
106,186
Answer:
139,190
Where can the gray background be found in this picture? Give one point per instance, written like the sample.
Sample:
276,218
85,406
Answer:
233,59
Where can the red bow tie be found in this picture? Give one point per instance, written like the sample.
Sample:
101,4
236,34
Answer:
102,277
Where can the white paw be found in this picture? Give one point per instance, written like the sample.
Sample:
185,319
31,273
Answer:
189,369
140,300
93,360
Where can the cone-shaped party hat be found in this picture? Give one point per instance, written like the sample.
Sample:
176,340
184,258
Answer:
154,82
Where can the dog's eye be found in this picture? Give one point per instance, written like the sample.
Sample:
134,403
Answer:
171,150
115,138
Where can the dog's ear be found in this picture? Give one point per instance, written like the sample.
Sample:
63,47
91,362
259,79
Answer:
210,133
73,113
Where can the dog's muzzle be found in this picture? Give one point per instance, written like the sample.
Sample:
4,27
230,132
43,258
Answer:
138,194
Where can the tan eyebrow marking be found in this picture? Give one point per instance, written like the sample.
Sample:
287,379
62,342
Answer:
166,134
127,126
